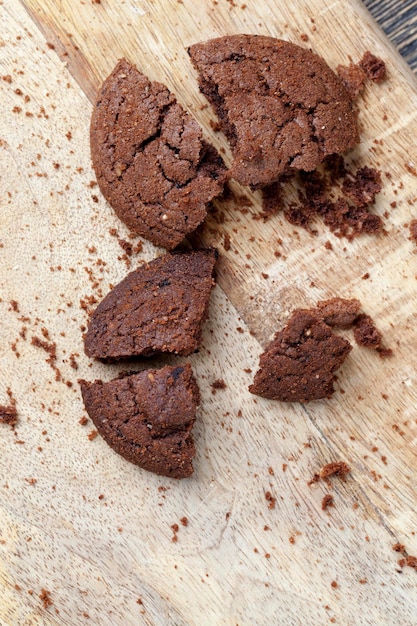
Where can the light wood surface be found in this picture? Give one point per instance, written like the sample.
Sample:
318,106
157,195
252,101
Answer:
95,531
399,21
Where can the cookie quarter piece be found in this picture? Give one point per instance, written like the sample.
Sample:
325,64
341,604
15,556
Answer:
280,106
299,364
151,162
147,417
160,307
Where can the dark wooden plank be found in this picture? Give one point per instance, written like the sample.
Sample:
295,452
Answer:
398,19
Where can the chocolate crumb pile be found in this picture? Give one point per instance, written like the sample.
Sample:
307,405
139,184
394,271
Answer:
348,215
354,76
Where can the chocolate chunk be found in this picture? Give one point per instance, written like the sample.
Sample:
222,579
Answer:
373,67
353,77
280,106
338,312
299,364
366,333
160,307
150,159
147,417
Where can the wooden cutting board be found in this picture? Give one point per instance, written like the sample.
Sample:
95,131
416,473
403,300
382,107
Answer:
94,531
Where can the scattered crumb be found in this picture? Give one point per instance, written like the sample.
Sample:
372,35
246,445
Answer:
45,598
337,468
270,499
327,501
8,413
92,435
413,231
399,547
409,561
217,384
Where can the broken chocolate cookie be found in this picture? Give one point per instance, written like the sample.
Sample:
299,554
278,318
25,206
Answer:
299,364
281,106
147,417
151,161
160,307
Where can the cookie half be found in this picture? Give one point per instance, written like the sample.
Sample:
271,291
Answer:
151,161
147,417
280,105
160,307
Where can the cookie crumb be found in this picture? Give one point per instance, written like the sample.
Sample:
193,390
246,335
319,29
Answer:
327,501
270,499
413,231
373,67
336,468
45,598
217,384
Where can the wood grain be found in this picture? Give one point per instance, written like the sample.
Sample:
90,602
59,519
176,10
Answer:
98,555
399,21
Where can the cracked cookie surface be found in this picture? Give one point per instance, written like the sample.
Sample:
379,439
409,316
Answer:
299,363
280,106
160,307
147,417
151,162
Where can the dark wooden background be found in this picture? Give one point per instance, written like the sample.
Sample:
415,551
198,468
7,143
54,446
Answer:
398,18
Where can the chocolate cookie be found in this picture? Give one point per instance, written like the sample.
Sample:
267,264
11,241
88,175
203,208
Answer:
160,307
151,162
147,417
280,106
299,364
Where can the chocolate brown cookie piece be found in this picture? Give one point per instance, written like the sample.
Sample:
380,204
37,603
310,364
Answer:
299,364
160,307
338,312
280,106
151,162
147,417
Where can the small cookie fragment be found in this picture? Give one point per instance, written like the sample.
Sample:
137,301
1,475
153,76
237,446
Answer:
338,312
299,364
373,67
160,307
366,333
147,417
353,78
280,105
336,468
363,186
151,161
